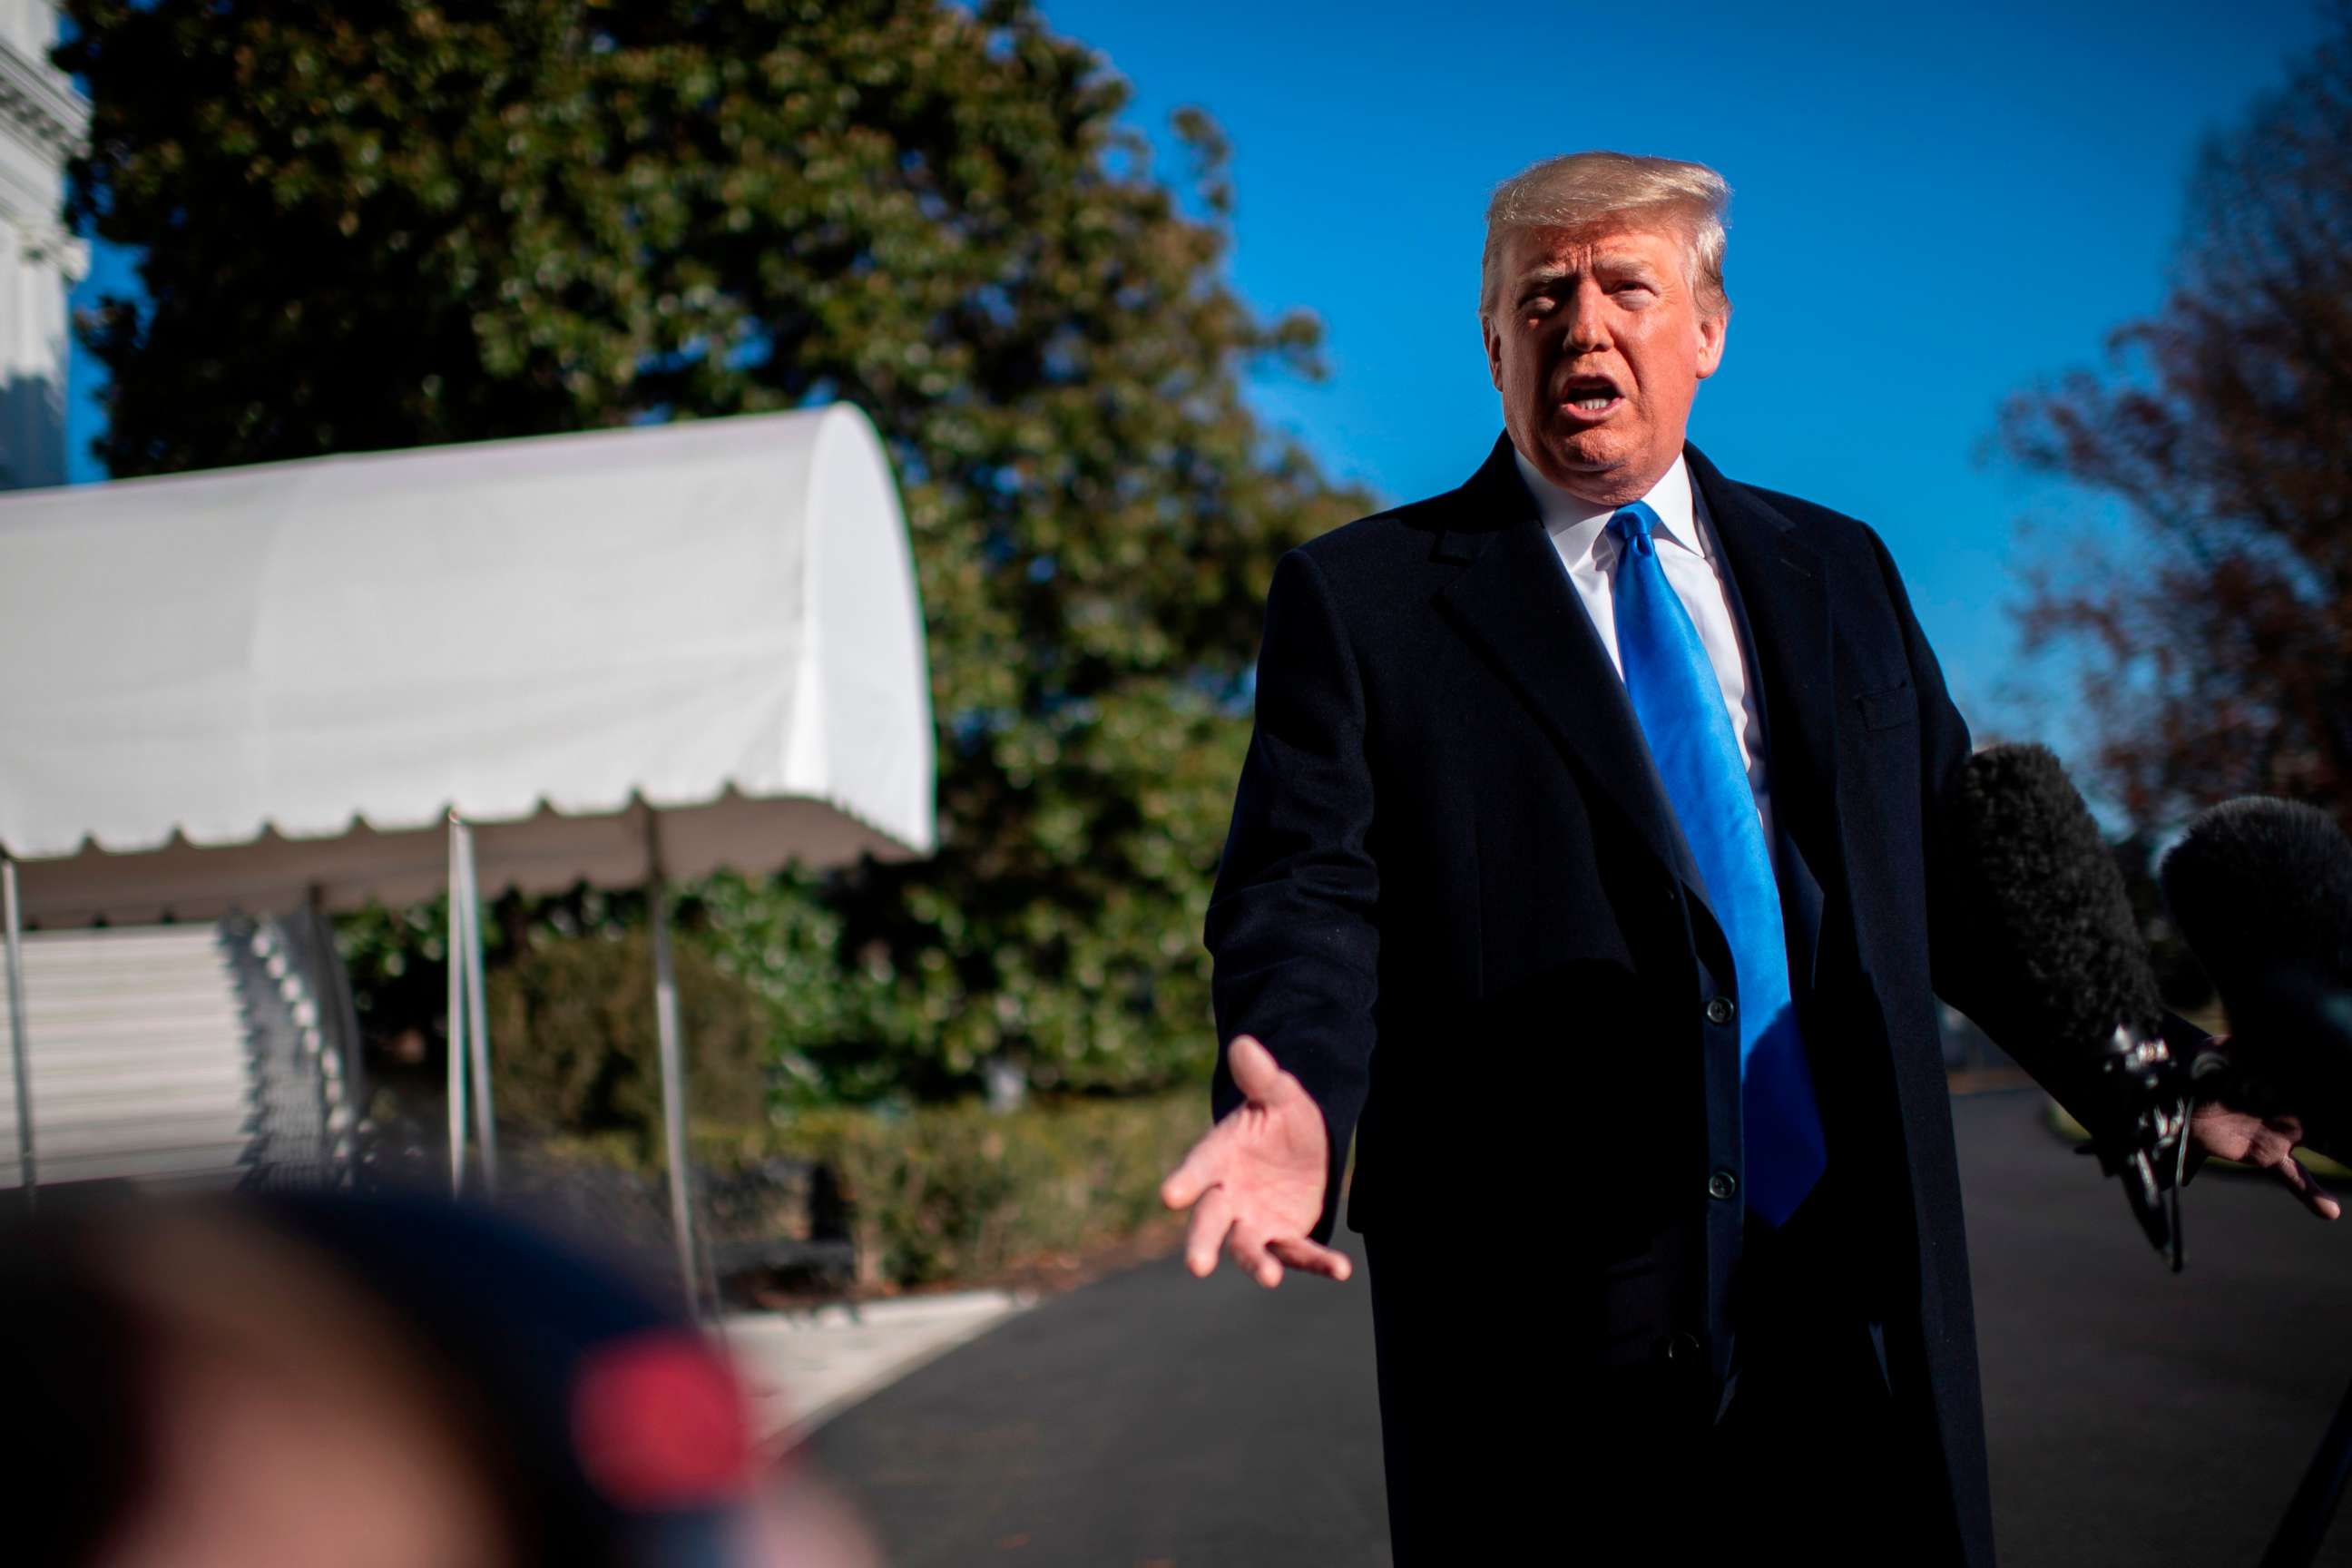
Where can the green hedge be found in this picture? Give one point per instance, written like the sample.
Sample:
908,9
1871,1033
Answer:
935,1193
963,1192
573,1040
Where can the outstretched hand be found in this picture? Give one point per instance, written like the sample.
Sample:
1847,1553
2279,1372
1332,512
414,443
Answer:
1255,1182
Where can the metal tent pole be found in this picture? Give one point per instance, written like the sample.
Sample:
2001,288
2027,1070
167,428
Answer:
456,1030
668,1035
477,1026
19,1049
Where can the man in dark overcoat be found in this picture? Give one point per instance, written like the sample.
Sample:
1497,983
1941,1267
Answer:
1585,873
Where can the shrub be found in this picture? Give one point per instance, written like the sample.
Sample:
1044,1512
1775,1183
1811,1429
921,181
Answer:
573,1040
963,1192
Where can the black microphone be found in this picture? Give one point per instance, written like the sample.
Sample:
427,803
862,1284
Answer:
2042,896
2262,890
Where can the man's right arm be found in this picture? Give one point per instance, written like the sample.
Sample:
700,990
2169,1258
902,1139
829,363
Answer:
1290,925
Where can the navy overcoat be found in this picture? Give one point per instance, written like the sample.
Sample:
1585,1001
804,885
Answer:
1455,903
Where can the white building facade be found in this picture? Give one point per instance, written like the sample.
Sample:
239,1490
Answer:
42,119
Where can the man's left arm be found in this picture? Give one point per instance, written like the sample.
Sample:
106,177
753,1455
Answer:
1964,973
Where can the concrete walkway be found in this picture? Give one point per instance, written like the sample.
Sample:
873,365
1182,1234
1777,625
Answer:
804,1368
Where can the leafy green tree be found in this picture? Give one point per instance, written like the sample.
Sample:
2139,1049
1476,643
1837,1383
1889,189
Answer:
383,224
2217,630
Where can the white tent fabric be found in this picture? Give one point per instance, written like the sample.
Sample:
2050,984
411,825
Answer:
246,688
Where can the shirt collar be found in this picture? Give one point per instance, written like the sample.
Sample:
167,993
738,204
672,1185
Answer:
1577,527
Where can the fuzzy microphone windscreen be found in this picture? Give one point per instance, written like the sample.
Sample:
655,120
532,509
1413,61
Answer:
2050,906
2259,885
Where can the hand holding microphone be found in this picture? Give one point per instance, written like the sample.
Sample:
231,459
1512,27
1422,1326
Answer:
2262,890
2267,1143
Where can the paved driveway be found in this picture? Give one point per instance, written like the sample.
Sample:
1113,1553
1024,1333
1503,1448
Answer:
1153,1419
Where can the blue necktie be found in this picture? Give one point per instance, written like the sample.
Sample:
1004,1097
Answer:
1674,694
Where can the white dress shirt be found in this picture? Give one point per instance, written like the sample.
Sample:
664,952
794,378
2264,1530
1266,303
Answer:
1692,564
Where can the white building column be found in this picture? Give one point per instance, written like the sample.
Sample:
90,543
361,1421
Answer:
42,119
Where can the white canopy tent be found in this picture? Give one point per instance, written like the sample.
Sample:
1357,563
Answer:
616,656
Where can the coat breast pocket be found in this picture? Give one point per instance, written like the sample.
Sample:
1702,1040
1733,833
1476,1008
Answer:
1888,707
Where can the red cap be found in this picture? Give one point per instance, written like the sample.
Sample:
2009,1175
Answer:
661,1425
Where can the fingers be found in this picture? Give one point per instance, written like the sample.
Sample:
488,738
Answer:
1203,1168
1216,1225
2273,1149
1310,1258
2307,1187
1246,1245
2317,1198
2266,1142
1211,1219
1256,1074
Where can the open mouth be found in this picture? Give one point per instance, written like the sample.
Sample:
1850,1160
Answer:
1590,395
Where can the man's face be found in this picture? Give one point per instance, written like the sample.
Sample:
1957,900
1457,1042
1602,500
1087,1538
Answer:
1598,345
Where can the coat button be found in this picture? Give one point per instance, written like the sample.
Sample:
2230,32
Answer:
1722,1185
1718,1010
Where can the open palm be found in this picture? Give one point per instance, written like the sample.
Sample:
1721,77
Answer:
1255,1182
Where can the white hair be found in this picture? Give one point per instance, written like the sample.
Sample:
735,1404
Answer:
1577,189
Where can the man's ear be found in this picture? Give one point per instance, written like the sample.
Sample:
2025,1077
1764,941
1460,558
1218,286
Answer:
1493,339
1711,330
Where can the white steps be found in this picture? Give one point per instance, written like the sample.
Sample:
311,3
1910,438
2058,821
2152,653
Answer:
141,1058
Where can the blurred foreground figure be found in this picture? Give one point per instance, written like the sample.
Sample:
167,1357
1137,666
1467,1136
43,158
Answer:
314,1380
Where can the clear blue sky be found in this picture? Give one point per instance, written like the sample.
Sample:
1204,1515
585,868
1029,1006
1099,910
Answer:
1933,206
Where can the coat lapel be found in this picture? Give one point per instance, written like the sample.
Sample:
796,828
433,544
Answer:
1781,587
1514,600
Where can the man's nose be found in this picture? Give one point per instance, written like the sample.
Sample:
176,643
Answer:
1586,326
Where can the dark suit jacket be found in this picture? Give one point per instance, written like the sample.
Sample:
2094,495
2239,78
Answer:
1455,903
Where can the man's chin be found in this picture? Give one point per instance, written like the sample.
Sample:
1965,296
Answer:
1602,472
1595,454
